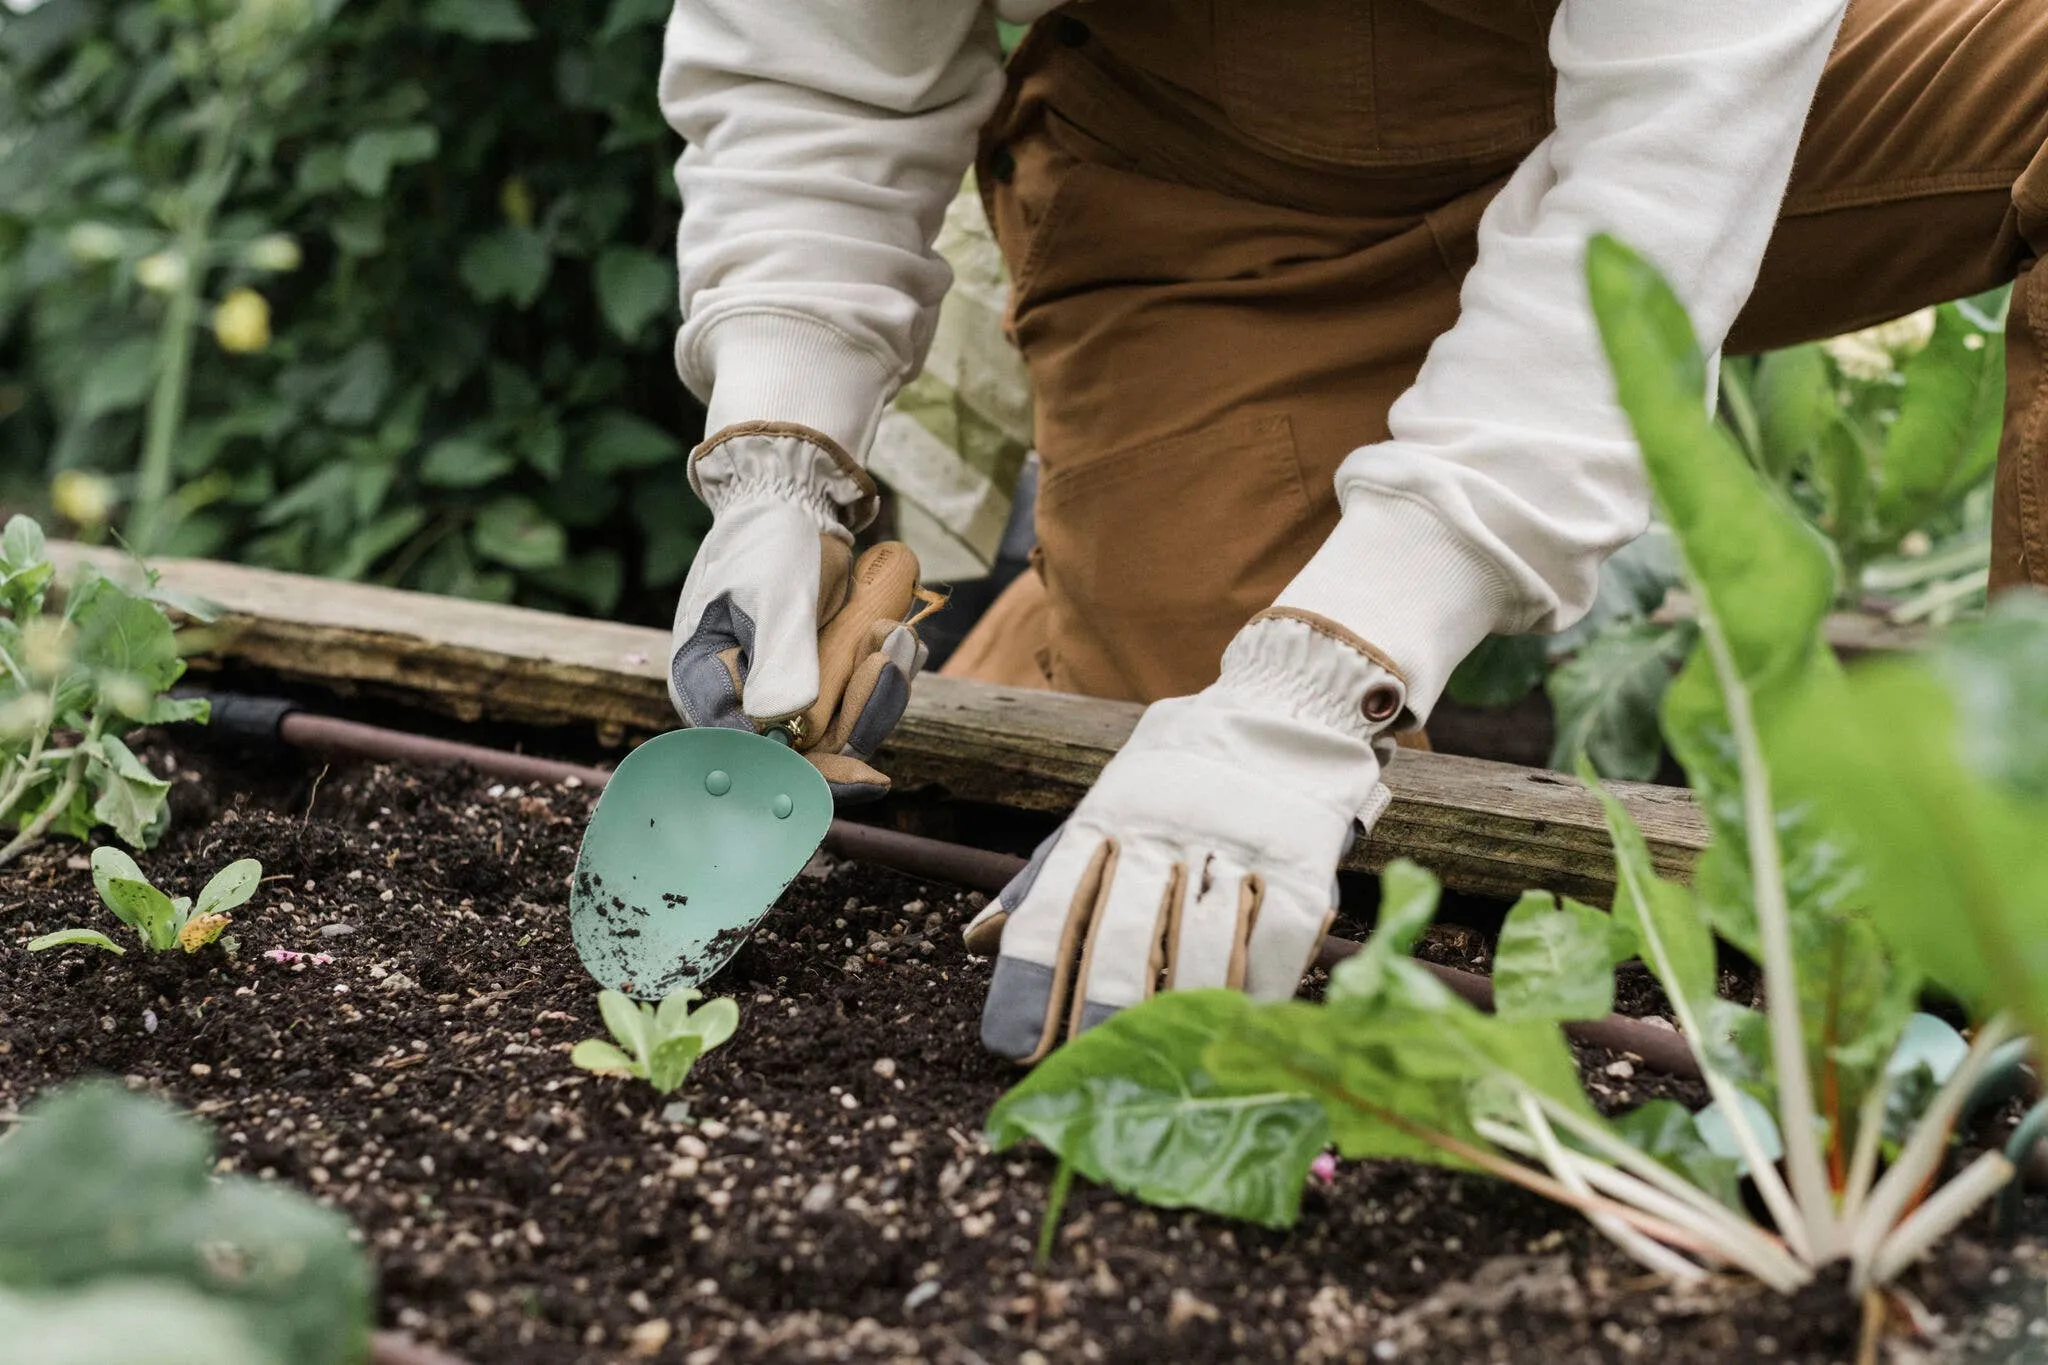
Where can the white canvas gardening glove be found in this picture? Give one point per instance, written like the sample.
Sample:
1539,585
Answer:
1206,854
777,625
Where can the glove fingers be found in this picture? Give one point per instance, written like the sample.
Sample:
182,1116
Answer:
853,783
884,584
1285,937
984,934
1028,993
1207,939
1126,945
875,700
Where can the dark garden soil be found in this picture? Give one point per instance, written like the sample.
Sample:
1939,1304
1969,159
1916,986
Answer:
829,1197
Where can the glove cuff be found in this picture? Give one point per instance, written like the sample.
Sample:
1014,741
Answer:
787,463
1313,670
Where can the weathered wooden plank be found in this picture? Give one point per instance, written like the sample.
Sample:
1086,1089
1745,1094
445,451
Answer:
1489,828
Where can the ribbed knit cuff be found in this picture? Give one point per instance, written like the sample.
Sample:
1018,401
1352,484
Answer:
1395,575
780,367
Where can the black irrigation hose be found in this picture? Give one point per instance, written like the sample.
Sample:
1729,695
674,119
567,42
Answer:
274,721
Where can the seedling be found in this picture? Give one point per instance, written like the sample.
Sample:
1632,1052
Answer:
72,682
162,922
657,1043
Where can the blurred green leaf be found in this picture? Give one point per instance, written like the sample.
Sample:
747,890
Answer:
462,462
485,21
511,263
634,288
119,379
372,153
619,441
515,532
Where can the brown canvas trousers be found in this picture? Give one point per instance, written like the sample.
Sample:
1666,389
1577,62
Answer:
1235,226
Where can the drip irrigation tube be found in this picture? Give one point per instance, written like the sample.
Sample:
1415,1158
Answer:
272,720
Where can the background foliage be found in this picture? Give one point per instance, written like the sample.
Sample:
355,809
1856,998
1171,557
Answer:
464,384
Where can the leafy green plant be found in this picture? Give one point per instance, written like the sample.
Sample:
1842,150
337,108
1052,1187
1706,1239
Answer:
424,258
109,1204
656,1044
72,683
1886,440
162,922
1856,856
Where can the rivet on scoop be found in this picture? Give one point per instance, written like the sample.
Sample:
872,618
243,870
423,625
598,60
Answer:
718,782
783,806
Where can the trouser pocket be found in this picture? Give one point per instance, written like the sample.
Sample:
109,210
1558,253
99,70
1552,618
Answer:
1155,555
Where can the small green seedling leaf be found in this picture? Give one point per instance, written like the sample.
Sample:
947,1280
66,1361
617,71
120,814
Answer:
717,1021
631,1023
673,1013
231,887
83,938
671,1061
657,1044
147,910
594,1054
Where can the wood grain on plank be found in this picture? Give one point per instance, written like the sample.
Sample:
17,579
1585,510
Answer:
1488,828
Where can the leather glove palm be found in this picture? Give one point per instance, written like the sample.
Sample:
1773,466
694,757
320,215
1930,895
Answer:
1206,854
777,625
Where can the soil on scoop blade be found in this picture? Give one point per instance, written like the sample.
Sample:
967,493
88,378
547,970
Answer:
828,1197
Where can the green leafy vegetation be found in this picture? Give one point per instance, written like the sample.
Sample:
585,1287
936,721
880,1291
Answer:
162,922
656,1044
1871,834
73,681
375,290
1884,440
114,1231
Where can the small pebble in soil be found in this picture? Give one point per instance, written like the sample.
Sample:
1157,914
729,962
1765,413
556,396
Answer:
885,1067
338,929
917,1298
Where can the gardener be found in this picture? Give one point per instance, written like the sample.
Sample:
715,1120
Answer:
1320,401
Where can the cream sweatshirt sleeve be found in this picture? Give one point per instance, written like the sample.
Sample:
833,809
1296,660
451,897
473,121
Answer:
825,139
1511,473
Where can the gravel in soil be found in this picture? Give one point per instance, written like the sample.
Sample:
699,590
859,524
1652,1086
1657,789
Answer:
828,1196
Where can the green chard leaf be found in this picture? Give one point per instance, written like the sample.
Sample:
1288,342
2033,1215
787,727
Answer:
1555,960
1130,1104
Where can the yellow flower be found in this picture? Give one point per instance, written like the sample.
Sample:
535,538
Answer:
82,499
163,272
242,322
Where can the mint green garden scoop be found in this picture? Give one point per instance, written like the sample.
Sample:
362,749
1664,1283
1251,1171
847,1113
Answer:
697,834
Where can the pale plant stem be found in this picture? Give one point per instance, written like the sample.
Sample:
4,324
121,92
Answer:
1732,1239
1869,1139
1501,1168
1647,1250
1803,1162
207,188
1646,1168
1942,1214
74,771
1923,1151
29,762
1770,1187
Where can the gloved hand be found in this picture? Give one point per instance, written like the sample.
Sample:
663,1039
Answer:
1206,854
777,626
